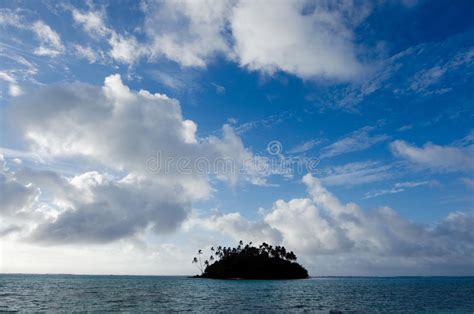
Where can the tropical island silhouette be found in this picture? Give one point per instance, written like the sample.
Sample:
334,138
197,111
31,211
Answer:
250,262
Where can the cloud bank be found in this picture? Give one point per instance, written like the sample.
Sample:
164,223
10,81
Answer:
114,131
337,238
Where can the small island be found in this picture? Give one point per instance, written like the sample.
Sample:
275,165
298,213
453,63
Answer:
250,262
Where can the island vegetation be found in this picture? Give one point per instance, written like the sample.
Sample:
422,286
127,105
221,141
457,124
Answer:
249,262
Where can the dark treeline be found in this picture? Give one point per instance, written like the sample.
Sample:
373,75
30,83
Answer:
250,262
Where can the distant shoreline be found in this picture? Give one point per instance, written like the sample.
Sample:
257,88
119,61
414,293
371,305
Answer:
193,276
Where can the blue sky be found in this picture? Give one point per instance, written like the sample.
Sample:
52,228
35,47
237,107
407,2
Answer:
380,93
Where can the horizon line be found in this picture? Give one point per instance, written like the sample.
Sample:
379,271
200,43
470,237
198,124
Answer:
322,276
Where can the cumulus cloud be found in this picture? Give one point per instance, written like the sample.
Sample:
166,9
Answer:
15,196
104,210
118,131
237,227
347,239
188,32
125,49
436,157
303,227
316,40
312,42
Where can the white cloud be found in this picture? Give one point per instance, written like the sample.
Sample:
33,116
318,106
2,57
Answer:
95,209
266,122
356,173
405,128
355,141
397,188
237,227
436,157
118,131
469,183
92,21
304,229
17,154
13,88
14,196
15,71
425,80
219,88
314,42
317,43
432,77
304,147
50,42
10,18
171,80
123,47
335,238
188,32
86,52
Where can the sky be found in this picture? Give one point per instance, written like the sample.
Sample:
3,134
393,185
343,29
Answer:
134,133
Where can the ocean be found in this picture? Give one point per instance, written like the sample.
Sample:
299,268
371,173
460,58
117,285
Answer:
162,293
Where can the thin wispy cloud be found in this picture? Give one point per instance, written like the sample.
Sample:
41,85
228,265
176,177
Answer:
397,188
356,141
448,158
357,173
304,147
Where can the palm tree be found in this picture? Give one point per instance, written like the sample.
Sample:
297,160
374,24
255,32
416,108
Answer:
271,251
291,256
200,263
195,261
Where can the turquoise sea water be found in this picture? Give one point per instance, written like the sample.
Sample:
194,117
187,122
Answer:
157,293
